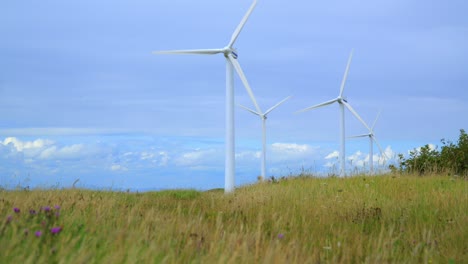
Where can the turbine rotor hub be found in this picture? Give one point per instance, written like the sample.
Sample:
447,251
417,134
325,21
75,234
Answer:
230,51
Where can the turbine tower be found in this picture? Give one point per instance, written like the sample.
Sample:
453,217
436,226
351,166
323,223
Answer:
342,102
263,117
230,54
372,138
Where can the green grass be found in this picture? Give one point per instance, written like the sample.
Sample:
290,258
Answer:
381,219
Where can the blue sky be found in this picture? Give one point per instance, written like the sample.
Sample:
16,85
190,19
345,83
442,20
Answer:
82,96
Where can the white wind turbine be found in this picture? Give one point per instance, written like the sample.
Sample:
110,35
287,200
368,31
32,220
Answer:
341,100
230,54
263,116
372,138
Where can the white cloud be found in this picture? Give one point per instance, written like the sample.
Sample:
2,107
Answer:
390,156
118,167
25,145
48,153
248,155
44,149
334,154
67,152
198,157
288,148
281,152
147,155
358,159
293,158
160,158
355,156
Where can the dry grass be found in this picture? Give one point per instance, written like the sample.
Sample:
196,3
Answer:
381,219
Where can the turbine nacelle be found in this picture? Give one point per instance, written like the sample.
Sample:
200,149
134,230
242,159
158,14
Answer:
229,51
234,55
341,100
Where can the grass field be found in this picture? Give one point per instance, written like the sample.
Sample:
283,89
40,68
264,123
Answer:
381,219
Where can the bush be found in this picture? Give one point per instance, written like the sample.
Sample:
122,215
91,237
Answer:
455,157
452,158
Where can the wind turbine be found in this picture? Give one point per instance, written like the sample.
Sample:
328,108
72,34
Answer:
372,138
263,116
342,102
230,54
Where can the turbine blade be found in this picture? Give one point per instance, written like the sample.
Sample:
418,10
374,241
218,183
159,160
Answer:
250,110
376,118
319,105
356,114
380,148
278,104
241,24
359,136
345,77
198,51
241,74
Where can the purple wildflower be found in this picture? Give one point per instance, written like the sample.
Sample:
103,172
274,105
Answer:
16,209
46,209
9,219
280,236
32,212
38,233
57,207
56,230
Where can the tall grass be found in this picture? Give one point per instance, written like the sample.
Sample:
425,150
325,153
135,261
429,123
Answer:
381,219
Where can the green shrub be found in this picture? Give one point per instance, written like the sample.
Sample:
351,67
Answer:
451,158
455,157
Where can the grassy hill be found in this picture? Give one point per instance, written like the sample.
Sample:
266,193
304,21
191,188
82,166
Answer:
381,219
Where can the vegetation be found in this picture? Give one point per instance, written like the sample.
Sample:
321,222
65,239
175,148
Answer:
380,219
450,159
